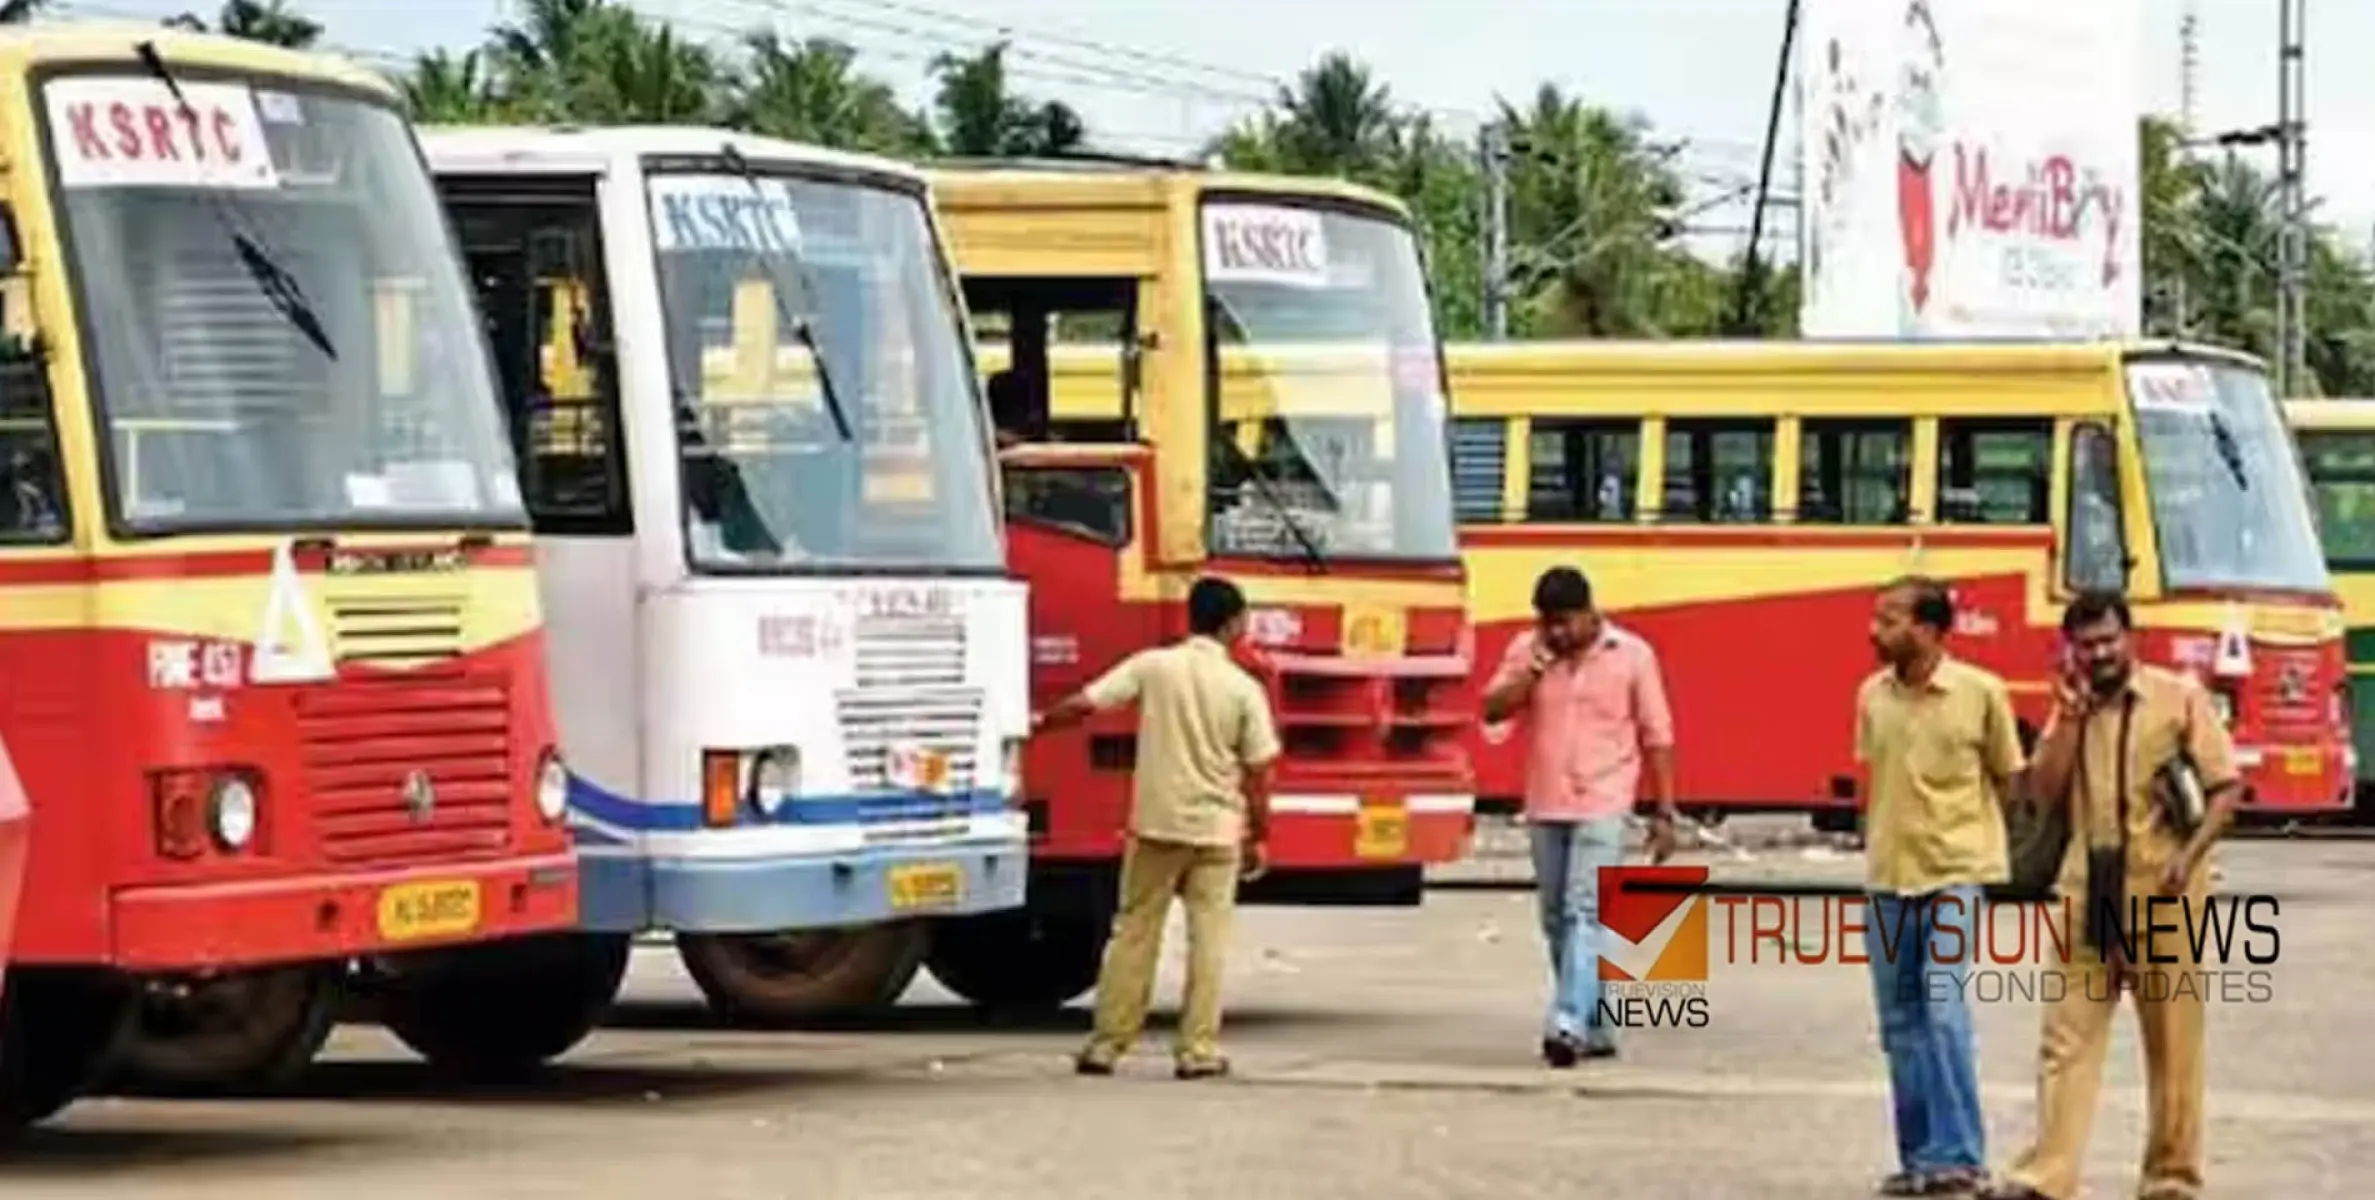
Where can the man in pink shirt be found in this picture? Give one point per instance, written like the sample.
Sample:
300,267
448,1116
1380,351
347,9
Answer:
1592,707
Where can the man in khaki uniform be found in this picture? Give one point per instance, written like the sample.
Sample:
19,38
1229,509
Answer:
1199,818
2080,759
1941,752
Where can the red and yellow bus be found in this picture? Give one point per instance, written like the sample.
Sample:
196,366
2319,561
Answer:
1234,374
268,614
1737,504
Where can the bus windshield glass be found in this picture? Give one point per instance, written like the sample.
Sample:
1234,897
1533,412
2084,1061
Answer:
272,311
1326,387
827,413
2342,477
2229,507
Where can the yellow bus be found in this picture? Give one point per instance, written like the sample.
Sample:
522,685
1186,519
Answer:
2337,442
273,657
1736,503
1233,374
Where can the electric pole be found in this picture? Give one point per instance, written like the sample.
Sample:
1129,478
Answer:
2292,276
1752,265
1493,149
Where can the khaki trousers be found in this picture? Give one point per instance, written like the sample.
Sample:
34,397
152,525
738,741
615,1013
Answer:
2082,997
1205,879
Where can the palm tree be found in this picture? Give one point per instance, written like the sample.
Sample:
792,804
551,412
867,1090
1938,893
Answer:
1338,120
808,92
981,117
1593,209
444,88
272,22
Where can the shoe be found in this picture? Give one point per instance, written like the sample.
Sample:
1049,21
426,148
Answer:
2006,1189
1209,1068
1957,1181
1089,1064
1560,1052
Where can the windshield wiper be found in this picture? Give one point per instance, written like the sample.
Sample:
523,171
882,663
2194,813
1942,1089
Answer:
280,288
803,327
2222,437
1261,484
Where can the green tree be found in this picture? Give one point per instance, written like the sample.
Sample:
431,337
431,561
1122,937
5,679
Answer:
17,12
811,91
270,21
982,117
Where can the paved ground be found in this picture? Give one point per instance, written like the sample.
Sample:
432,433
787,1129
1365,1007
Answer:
1382,1055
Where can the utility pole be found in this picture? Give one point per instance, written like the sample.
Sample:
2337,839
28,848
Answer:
2292,278
1493,150
1752,281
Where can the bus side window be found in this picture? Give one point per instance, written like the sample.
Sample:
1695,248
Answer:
1719,471
1090,502
1583,470
1043,345
1995,472
1479,456
2098,555
535,258
2342,480
1856,472
32,487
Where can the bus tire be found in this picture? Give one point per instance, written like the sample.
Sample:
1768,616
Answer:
772,980
241,1032
501,1010
56,1029
1019,960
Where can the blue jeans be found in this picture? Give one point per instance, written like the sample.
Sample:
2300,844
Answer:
1918,980
1568,856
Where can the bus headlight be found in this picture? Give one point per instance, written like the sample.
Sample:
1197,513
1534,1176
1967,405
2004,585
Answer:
552,788
231,812
774,778
1010,767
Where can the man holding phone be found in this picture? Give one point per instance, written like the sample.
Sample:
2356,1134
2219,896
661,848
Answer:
2126,736
1199,820
1594,706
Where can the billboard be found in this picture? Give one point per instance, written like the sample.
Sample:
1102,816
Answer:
1971,168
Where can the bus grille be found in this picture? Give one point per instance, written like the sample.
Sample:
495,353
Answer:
363,738
942,719
397,632
911,652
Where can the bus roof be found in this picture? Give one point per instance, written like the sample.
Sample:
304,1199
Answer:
52,43
505,148
1843,355
1107,181
2330,413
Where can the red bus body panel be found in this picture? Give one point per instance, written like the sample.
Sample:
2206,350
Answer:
93,715
1763,687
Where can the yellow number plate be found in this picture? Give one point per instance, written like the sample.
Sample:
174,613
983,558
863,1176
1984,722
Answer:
2303,760
926,885
1373,632
1383,831
412,911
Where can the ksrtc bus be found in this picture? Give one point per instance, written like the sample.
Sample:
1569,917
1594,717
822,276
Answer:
1235,374
2337,444
267,611
1739,504
788,665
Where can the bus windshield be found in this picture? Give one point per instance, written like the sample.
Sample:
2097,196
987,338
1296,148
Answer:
1326,385
2229,506
827,414
2342,477
271,310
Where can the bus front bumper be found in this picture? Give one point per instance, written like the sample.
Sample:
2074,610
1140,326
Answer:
2313,777
316,917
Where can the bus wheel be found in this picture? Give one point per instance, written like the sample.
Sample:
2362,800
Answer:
56,1028
246,1031
500,1010
1020,959
776,979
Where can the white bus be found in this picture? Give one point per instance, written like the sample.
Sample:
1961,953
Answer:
788,665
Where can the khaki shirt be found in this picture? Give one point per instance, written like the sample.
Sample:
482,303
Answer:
1939,754
2172,710
1202,720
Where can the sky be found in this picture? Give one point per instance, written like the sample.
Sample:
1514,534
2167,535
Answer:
1161,76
